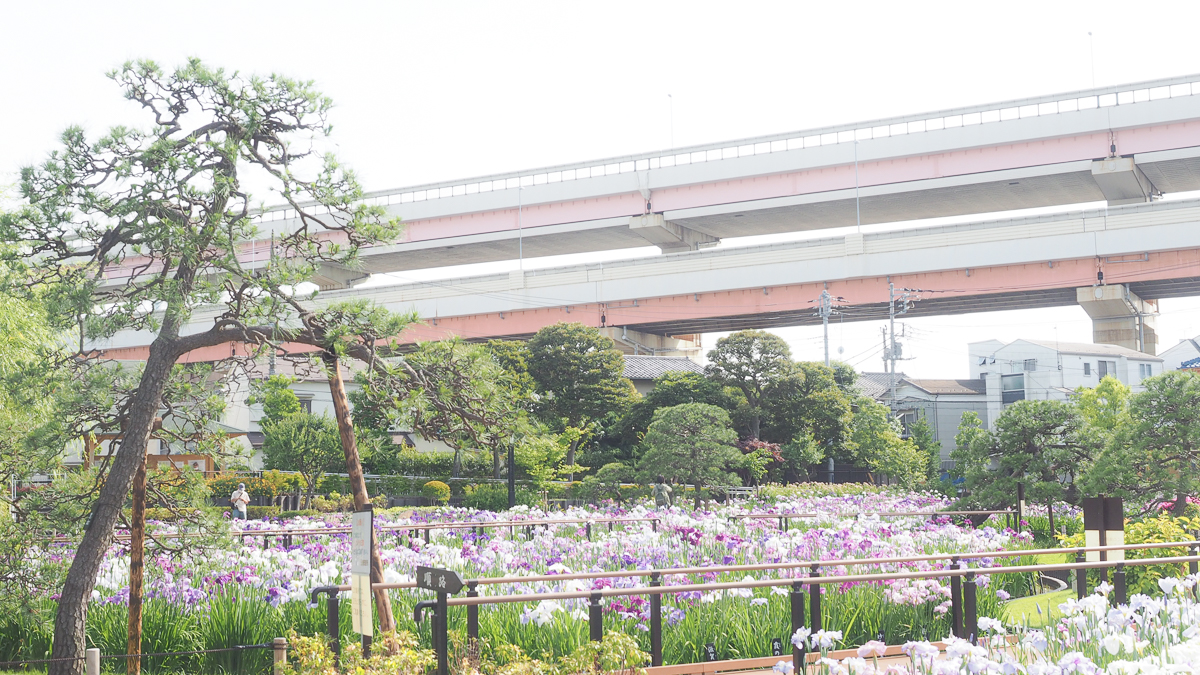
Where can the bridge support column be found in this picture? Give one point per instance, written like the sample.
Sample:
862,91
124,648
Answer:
1122,182
1119,317
649,344
669,237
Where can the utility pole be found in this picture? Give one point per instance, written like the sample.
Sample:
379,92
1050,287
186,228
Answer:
892,348
825,310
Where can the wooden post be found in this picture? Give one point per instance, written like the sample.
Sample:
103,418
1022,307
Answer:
280,647
137,554
358,484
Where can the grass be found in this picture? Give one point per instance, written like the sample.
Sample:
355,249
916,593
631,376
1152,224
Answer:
1027,608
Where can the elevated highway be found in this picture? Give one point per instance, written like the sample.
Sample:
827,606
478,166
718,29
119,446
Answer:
1122,144
1115,262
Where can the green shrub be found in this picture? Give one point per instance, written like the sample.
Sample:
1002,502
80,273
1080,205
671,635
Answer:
494,497
303,512
259,512
437,491
1160,529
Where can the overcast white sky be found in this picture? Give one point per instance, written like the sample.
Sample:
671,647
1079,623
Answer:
437,90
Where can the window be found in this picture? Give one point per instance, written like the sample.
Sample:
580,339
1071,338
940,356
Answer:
1087,368
1104,368
1012,388
306,405
1030,365
1143,371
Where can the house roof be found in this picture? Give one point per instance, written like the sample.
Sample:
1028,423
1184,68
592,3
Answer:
1087,349
1191,363
652,367
877,385
976,386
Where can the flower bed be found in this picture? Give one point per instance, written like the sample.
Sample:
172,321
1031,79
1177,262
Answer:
245,594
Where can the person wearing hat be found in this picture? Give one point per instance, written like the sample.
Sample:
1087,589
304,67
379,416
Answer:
240,499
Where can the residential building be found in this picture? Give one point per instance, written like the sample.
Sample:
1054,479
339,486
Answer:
644,370
942,403
1175,357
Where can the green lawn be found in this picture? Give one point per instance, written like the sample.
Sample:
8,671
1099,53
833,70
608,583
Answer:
1023,610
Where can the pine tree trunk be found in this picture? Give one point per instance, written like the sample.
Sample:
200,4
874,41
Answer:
137,555
358,484
70,623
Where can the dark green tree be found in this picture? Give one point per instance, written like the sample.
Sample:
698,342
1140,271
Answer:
168,204
1040,443
808,403
671,389
921,435
692,443
1153,457
580,379
750,360
302,442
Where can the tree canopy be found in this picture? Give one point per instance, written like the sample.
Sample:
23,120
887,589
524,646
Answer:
692,443
750,360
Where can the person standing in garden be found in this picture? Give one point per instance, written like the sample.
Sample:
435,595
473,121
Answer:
240,499
662,493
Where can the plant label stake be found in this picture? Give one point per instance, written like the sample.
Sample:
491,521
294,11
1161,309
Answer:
444,583
776,647
710,652
362,620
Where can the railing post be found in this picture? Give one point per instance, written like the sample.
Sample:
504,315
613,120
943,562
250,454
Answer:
655,524
1021,506
280,647
1080,577
782,524
441,643
814,601
655,621
1119,584
426,531
92,661
956,601
595,619
472,613
1193,566
971,616
797,619
589,530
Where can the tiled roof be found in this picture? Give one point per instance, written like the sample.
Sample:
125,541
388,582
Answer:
1191,363
1088,349
653,367
876,385
950,386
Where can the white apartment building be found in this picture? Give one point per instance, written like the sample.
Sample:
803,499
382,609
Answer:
1042,369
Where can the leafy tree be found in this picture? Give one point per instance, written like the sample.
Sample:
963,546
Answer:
579,376
1039,443
671,389
921,435
606,482
692,443
876,437
1154,456
1105,407
800,456
808,402
276,397
750,360
513,357
305,443
541,457
449,391
168,204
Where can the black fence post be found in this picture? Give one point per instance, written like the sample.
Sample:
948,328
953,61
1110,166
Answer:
332,618
1021,506
595,619
814,601
1193,566
655,621
971,615
589,530
472,613
1080,577
956,600
1119,584
655,524
797,619
441,642
426,533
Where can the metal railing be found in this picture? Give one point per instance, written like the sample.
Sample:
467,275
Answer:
964,607
92,656
1039,106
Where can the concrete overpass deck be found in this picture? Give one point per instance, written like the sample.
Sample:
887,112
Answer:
1122,144
1152,250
